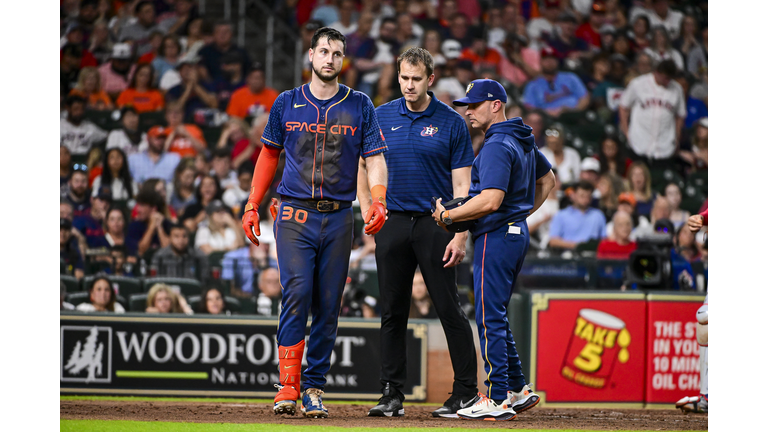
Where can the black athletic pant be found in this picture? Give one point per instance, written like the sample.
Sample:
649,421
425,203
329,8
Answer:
405,241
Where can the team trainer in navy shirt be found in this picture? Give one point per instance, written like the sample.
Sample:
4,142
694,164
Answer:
430,155
510,180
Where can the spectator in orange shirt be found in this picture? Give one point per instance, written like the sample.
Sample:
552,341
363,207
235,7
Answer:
141,91
89,87
185,139
254,97
480,54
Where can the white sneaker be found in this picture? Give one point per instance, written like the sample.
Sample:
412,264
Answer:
694,404
523,400
487,409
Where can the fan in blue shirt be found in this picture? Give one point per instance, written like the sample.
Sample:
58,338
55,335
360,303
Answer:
578,223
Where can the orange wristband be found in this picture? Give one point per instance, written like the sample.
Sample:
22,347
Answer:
379,193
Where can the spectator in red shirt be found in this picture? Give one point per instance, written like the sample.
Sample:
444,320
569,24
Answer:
589,32
620,246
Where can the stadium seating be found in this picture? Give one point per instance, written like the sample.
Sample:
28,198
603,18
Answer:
187,287
137,302
233,304
126,286
71,282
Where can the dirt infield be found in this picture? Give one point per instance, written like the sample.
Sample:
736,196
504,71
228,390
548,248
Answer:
355,415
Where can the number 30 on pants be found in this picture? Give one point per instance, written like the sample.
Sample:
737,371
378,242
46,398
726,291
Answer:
299,215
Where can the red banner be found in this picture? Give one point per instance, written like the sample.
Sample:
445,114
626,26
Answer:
672,364
589,347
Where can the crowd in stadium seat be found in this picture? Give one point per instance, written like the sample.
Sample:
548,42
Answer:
162,114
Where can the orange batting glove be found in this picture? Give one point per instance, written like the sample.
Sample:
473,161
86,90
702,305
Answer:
377,214
251,222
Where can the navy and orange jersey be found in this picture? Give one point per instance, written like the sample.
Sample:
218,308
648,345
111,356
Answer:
424,149
323,141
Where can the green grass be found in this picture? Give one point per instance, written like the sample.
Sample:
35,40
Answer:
216,400
136,426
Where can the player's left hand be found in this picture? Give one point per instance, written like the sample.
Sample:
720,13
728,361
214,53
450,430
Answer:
456,250
436,215
375,218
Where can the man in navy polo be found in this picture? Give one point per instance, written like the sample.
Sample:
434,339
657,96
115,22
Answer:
510,181
430,155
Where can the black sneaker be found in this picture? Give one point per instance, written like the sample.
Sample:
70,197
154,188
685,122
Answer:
389,405
455,403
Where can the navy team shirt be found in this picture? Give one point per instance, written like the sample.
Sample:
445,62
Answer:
424,148
509,161
323,141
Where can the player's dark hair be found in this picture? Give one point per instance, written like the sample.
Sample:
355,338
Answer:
585,185
667,68
415,56
332,35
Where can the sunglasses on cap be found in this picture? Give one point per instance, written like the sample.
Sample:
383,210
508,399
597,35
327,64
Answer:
80,167
552,132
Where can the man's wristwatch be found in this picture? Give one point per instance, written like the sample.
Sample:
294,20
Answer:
249,207
445,217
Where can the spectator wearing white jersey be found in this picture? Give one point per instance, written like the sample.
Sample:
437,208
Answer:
652,112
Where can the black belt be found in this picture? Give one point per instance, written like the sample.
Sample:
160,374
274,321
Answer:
322,206
412,214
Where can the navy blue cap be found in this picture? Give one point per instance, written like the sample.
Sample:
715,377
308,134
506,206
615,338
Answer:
482,90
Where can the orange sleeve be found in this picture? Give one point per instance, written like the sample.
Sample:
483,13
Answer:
263,174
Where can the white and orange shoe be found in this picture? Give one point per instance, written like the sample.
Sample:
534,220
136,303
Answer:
486,409
524,400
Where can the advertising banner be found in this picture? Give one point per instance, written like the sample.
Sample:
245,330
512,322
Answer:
588,347
673,367
212,356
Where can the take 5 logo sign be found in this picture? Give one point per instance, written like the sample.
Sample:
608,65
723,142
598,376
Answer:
588,347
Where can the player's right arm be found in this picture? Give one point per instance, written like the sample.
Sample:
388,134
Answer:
376,169
264,172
